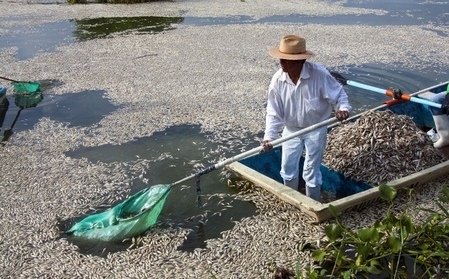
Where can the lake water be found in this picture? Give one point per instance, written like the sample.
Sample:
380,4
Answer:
186,145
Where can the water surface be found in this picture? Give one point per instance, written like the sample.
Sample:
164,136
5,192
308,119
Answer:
75,109
47,37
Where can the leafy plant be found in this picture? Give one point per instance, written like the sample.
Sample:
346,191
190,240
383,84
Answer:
393,247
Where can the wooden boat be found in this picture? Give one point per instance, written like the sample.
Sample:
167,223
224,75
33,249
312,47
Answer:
263,170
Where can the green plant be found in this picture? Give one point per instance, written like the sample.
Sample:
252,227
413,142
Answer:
393,247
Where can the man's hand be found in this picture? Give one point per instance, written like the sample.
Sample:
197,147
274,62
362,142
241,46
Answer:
445,105
267,146
342,115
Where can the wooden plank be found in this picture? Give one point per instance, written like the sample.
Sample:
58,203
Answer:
287,194
319,211
422,177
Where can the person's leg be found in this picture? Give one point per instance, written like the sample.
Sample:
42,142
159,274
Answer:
315,143
441,122
291,152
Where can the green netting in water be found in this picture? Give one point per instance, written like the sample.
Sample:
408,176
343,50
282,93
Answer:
26,87
129,218
28,100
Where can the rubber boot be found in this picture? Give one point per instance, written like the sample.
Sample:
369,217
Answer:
292,183
314,193
442,127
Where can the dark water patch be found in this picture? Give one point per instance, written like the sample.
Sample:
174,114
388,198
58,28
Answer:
77,109
184,148
163,142
48,36
93,28
222,218
41,38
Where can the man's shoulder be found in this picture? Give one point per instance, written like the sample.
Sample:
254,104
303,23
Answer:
314,66
277,74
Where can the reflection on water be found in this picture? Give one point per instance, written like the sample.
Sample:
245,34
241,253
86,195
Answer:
184,148
77,109
92,28
48,36
40,38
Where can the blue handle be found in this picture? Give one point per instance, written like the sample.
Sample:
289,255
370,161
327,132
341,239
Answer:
425,102
382,91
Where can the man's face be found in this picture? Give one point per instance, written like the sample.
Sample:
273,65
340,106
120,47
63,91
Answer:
289,66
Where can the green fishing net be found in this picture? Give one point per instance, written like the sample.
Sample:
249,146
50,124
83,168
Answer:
26,87
28,100
130,218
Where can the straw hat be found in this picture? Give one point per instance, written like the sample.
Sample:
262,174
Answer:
291,47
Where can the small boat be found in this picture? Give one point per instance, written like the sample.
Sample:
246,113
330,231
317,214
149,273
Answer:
263,169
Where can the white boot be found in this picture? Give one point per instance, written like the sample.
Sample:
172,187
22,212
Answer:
442,127
292,183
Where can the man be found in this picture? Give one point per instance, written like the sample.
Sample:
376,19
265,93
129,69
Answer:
441,118
301,94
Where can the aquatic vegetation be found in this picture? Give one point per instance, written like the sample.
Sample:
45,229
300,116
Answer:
92,28
393,247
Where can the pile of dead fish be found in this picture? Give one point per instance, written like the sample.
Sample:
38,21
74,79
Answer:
379,147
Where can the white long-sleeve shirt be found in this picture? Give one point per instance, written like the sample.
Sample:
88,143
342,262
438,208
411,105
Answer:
308,102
